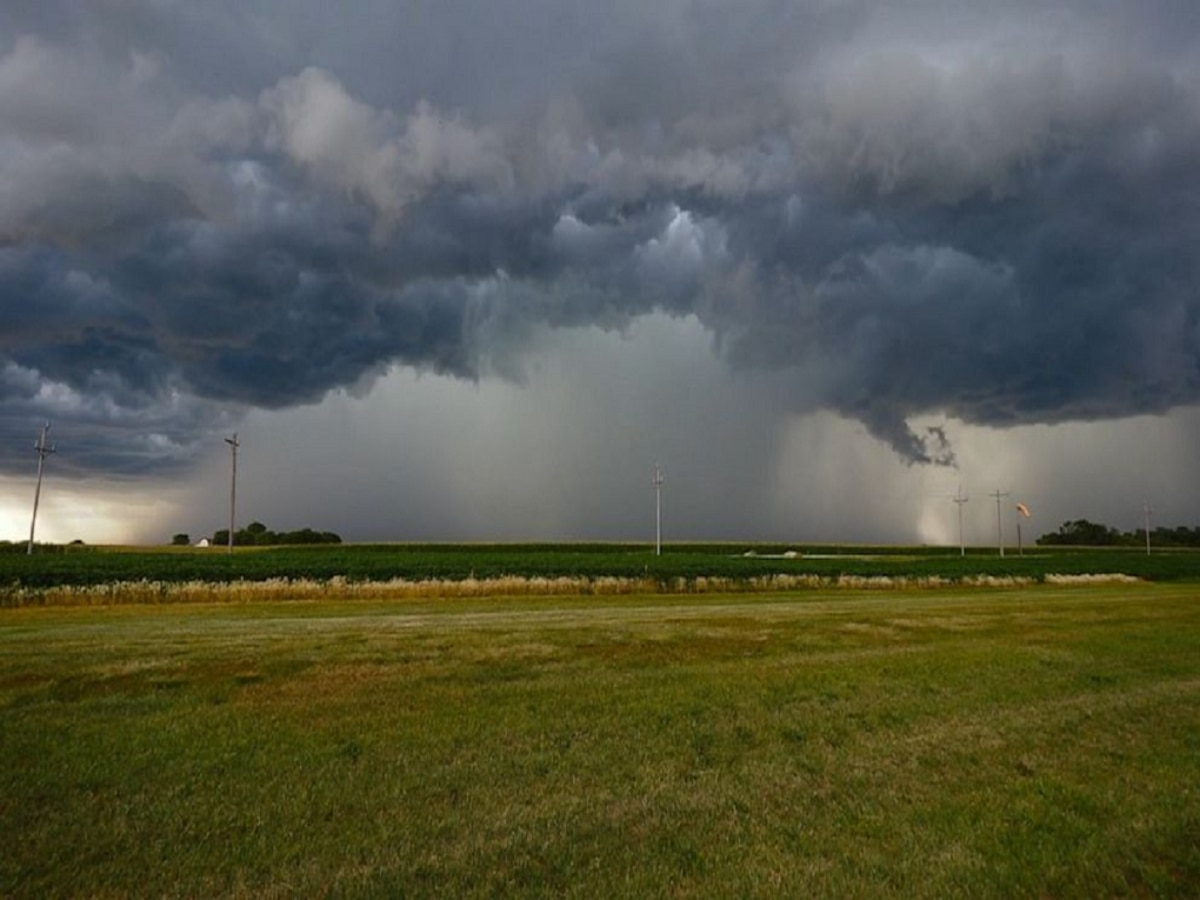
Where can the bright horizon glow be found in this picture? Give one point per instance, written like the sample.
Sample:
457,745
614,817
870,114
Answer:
95,513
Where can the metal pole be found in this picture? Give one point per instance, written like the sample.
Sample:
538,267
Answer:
999,518
658,482
999,525
42,451
959,499
1146,508
233,446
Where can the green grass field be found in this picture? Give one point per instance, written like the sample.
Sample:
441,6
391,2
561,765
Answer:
953,742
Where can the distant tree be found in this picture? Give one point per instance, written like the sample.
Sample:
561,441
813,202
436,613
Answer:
1180,536
1082,533
308,536
254,534
257,534
180,540
303,536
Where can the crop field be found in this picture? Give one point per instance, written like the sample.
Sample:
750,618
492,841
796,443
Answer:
959,741
577,568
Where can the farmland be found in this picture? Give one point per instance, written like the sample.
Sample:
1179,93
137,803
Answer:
925,743
682,566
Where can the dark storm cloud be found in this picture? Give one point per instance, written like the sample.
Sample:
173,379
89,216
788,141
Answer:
988,214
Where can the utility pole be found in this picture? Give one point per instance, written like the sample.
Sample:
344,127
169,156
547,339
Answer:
1147,511
42,451
999,495
1022,512
658,483
959,500
233,446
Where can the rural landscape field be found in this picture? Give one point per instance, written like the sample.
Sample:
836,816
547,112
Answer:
850,302
717,721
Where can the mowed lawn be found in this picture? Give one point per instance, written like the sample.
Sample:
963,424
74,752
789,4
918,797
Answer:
956,742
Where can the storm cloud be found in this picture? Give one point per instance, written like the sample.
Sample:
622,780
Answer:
901,210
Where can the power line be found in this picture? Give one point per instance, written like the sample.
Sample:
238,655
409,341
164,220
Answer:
42,451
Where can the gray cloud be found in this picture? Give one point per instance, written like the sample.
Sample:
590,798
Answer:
987,214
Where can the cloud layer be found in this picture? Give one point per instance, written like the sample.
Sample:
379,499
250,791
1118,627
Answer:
984,213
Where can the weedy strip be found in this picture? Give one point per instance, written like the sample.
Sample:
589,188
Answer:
147,592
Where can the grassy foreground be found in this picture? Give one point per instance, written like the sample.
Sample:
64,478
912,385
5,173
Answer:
957,742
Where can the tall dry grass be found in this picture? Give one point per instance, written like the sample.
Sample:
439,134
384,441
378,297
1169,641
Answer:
298,589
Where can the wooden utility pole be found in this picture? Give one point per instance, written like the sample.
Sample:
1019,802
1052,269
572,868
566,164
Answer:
999,495
959,500
42,451
658,483
1022,512
233,446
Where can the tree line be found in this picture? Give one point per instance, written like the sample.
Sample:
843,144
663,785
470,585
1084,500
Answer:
256,534
1082,533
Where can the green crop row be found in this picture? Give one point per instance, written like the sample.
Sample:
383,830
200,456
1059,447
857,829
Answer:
83,566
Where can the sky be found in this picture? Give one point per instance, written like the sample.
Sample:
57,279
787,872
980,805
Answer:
469,269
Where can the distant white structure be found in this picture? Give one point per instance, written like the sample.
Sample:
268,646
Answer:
203,542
